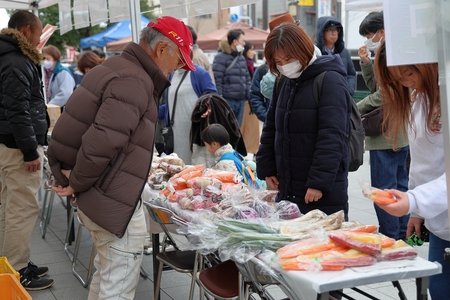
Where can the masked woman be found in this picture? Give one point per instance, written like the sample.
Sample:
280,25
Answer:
303,152
59,82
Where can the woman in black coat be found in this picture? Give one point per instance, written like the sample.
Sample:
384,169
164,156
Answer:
303,152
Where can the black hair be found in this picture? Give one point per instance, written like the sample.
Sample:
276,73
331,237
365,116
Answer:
194,34
21,19
215,133
248,46
234,34
373,22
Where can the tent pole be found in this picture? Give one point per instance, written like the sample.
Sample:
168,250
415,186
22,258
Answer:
443,40
135,19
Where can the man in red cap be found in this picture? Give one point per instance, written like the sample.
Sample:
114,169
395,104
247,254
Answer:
102,146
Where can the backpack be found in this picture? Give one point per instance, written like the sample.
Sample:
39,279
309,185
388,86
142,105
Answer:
355,134
249,176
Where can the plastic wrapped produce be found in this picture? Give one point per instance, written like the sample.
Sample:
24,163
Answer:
287,210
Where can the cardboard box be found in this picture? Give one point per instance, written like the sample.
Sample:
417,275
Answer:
54,111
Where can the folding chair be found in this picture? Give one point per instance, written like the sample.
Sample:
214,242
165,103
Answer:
220,280
178,260
261,276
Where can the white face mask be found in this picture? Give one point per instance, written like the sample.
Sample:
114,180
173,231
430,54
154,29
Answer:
290,70
239,48
371,45
48,64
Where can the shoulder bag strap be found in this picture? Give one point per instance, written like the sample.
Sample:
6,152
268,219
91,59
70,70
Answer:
317,86
232,64
175,99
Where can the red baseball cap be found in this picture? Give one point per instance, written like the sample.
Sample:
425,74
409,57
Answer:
175,30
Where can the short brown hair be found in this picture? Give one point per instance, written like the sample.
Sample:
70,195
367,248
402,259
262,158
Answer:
52,51
88,60
291,40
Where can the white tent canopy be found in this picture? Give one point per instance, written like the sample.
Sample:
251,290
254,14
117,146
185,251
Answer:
27,4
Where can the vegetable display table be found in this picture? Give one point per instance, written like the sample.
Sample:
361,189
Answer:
310,285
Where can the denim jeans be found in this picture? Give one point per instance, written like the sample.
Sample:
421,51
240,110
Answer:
388,171
118,260
237,106
440,283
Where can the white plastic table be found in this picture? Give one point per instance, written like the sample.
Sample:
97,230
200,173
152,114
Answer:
310,285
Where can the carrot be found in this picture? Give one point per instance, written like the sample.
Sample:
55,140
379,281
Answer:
332,268
305,267
382,200
381,193
387,242
365,228
313,249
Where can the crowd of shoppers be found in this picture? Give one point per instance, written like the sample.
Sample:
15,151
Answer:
104,140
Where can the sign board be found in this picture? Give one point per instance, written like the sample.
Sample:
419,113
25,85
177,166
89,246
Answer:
412,39
306,3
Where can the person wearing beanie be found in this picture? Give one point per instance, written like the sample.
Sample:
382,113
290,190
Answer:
102,147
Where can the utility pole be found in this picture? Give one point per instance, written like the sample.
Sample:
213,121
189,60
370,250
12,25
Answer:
265,14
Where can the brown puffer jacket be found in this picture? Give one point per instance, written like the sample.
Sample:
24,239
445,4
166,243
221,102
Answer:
105,136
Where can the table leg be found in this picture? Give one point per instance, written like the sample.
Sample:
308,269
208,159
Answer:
72,228
155,246
323,296
422,288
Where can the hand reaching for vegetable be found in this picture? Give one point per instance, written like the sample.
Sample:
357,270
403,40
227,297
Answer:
312,195
401,205
414,226
381,197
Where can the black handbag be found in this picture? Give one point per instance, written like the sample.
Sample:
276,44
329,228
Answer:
167,132
372,122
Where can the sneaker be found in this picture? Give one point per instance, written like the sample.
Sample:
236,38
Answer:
32,282
38,271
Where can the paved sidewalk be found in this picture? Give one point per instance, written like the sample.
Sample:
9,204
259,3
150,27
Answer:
50,252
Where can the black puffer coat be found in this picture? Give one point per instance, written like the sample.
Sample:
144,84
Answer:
234,84
304,144
23,123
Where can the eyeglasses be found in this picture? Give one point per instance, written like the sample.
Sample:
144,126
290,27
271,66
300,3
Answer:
333,30
181,62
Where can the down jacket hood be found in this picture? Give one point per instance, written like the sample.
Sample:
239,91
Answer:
14,38
323,23
225,47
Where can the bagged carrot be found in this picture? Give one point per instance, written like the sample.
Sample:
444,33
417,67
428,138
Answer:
376,195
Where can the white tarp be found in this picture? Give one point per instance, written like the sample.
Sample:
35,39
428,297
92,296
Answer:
414,39
80,13
65,17
98,11
365,5
119,10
